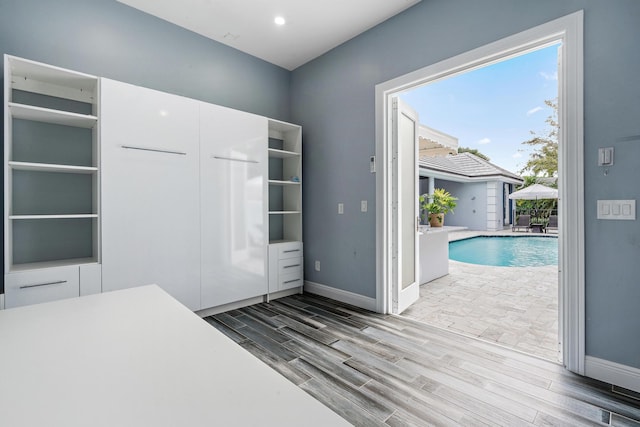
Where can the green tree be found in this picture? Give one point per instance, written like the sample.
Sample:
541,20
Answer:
544,159
473,151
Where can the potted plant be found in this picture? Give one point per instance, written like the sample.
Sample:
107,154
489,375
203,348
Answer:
437,205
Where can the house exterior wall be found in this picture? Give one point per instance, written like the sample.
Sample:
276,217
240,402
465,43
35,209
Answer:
471,209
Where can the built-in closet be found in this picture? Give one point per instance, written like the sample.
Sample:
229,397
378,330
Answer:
110,185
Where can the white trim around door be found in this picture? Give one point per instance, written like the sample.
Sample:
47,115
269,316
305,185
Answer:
568,31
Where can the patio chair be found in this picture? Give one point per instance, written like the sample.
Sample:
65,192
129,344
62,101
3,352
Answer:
553,223
522,221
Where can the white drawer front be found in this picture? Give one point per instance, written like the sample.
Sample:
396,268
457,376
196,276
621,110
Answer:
34,287
288,281
290,266
290,250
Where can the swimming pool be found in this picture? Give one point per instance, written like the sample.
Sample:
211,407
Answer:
506,251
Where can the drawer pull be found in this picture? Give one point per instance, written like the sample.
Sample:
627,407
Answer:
233,159
291,266
59,282
291,250
155,150
291,281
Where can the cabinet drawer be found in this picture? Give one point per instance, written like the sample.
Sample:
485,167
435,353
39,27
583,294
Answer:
288,281
34,287
290,250
290,266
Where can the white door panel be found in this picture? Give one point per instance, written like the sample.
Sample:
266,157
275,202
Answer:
233,167
150,200
404,126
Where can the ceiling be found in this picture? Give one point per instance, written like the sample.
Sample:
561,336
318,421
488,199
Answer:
312,27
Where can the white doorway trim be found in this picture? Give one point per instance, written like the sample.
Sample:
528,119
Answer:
567,30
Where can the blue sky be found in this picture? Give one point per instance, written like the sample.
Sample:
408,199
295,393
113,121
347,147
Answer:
493,109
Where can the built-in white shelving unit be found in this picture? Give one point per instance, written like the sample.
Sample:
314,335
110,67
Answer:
51,167
285,207
285,182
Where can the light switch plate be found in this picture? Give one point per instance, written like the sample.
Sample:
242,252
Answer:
340,208
617,209
605,156
363,206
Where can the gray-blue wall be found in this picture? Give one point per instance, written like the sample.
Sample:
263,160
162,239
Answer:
333,99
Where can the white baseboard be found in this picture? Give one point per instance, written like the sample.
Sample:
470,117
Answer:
612,373
347,297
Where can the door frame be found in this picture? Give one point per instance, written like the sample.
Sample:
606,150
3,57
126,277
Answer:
567,30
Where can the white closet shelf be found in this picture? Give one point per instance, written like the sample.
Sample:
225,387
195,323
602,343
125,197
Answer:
282,154
51,264
283,212
47,115
283,183
47,167
65,216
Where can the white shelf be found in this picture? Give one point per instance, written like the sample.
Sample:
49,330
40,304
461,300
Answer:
47,115
50,80
52,264
282,154
69,216
283,212
47,167
283,183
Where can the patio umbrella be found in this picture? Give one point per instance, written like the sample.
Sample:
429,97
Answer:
534,192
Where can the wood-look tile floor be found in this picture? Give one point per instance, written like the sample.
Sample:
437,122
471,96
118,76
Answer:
384,370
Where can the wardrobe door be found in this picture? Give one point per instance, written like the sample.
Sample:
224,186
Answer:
150,197
233,169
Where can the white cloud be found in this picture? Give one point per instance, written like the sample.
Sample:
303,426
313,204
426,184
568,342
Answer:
517,155
548,76
484,141
534,110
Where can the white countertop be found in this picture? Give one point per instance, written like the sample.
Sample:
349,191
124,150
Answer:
137,358
433,230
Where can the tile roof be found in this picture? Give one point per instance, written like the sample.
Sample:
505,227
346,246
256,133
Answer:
466,165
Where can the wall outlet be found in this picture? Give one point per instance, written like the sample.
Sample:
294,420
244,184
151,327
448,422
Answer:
317,265
363,206
340,208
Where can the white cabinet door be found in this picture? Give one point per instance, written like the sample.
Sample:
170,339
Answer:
150,200
233,168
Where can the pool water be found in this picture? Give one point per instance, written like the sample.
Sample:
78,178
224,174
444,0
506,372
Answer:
507,251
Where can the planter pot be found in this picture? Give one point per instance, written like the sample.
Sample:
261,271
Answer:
436,220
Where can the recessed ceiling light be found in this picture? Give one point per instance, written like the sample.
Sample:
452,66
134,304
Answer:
279,20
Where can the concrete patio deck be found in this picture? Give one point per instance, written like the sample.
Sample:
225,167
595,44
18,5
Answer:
516,307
